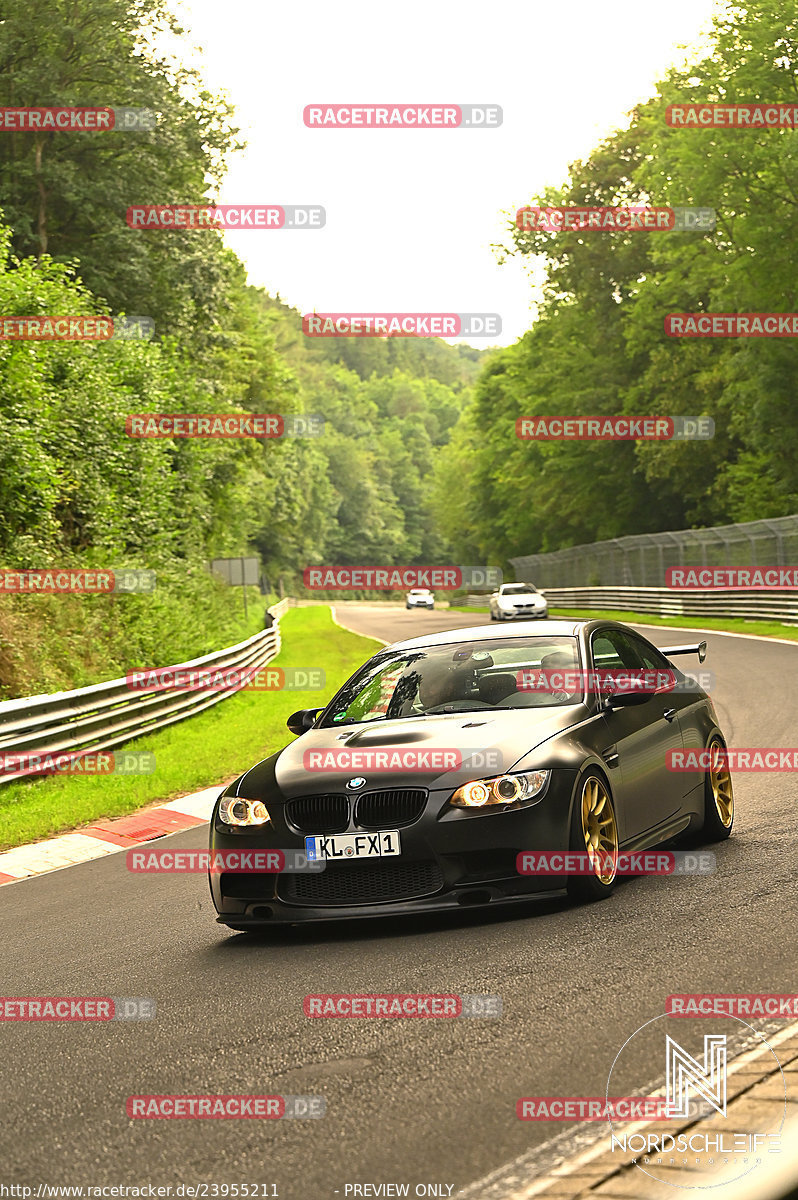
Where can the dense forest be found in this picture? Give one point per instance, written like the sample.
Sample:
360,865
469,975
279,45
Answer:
598,344
418,462
74,489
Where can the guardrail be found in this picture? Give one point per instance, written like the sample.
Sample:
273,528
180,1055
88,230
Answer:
105,715
666,602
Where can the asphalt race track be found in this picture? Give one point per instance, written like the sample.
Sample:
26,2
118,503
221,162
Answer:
407,1101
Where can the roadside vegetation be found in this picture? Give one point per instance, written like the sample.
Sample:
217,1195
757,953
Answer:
418,461
598,345
75,489
204,751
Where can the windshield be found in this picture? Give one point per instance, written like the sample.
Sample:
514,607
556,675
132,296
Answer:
518,589
459,677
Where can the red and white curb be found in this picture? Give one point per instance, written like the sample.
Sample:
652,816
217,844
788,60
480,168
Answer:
107,836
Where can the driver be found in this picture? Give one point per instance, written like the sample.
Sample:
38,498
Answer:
558,660
561,662
441,683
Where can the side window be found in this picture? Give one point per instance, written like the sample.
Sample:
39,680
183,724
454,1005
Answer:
612,648
649,655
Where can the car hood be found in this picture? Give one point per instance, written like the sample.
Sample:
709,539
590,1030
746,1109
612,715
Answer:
459,747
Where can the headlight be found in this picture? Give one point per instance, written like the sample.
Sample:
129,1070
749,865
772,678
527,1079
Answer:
503,789
234,811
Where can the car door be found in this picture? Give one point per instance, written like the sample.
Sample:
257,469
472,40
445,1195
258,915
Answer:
638,741
687,703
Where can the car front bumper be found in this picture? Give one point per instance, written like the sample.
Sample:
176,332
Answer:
450,859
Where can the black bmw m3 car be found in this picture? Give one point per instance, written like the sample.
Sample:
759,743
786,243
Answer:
446,757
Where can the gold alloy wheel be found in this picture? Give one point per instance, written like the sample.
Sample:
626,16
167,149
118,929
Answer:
599,829
721,784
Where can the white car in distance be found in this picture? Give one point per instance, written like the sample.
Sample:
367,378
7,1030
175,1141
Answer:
420,598
517,600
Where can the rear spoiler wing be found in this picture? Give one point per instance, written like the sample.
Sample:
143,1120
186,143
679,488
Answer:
700,648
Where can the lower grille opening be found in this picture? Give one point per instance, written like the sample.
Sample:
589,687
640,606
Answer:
242,885
362,883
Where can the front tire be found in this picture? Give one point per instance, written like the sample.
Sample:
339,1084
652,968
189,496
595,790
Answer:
718,794
594,830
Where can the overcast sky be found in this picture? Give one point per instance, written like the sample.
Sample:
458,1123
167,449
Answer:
412,214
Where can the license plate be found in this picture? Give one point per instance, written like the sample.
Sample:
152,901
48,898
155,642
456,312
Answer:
353,845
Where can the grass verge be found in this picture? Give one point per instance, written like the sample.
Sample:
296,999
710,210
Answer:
200,752
726,625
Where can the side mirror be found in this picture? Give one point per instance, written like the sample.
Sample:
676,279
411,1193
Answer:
302,720
627,699
702,651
